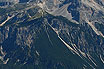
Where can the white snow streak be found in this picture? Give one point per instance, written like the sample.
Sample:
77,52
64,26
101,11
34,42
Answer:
7,20
101,59
90,58
62,12
37,53
69,47
95,29
93,4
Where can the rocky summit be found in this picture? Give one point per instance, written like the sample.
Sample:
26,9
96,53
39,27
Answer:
51,34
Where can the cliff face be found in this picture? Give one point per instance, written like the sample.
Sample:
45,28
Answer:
52,34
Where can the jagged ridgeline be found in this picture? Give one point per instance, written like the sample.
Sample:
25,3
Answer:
52,34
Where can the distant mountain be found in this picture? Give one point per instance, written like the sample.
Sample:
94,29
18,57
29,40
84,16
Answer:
52,34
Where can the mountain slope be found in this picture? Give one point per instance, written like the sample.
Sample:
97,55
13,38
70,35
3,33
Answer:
32,36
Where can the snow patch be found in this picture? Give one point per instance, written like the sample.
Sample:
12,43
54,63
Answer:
6,20
101,59
37,53
95,29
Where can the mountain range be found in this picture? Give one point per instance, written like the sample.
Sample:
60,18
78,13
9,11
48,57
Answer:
52,34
